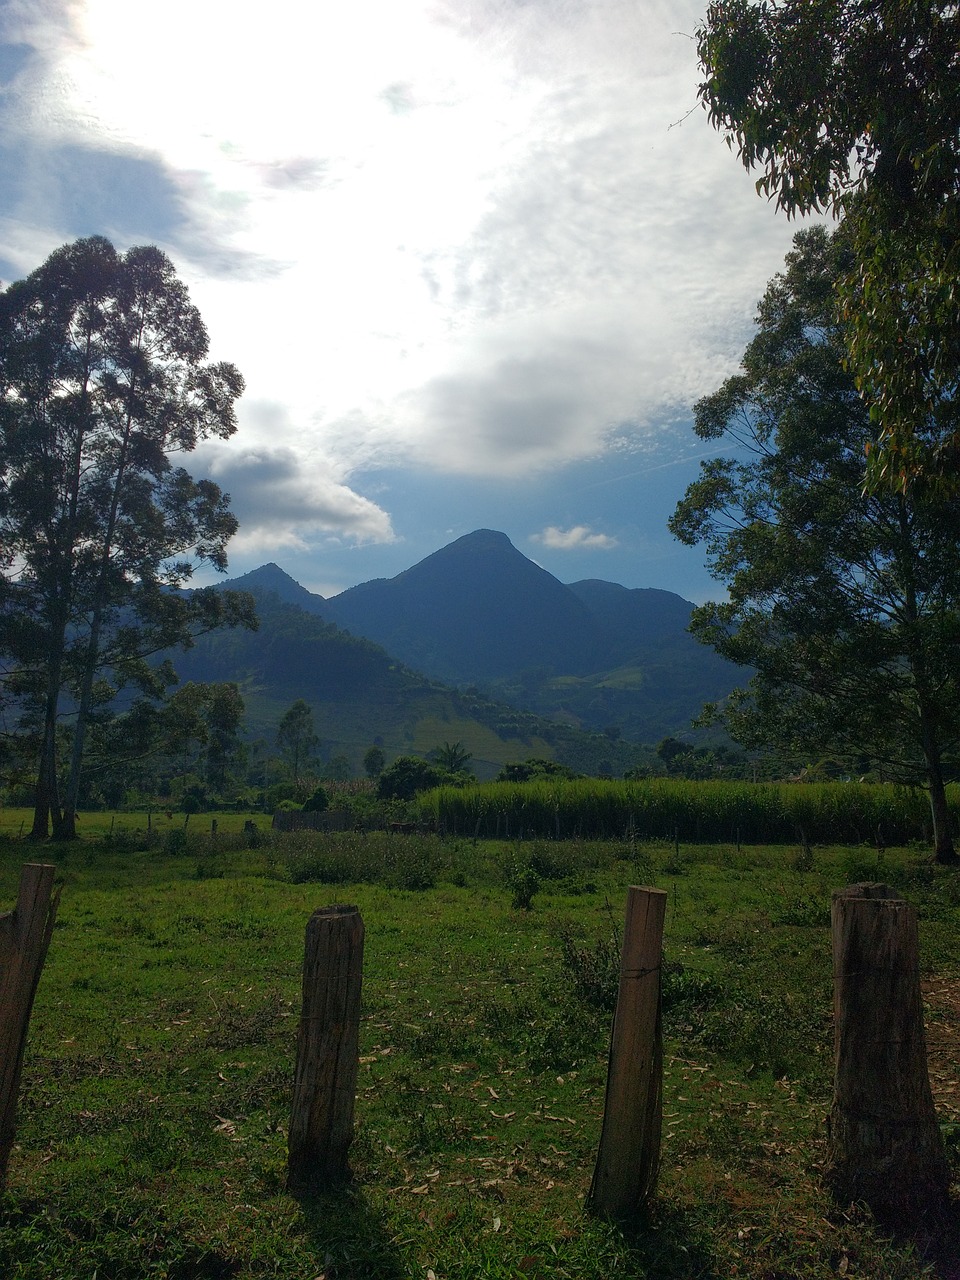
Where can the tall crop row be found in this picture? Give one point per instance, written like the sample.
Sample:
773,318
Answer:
755,813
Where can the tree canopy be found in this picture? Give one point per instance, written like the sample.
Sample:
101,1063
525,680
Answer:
853,107
845,603
407,775
296,738
103,381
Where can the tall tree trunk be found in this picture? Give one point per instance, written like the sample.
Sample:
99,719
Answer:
46,798
91,660
66,827
943,846
944,849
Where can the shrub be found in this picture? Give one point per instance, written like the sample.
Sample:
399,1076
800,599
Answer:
594,971
318,802
523,880
408,775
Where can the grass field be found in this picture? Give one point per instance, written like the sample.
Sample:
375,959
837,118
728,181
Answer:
156,1086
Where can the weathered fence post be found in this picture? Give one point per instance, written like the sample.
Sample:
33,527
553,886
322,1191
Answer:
24,937
626,1170
884,1146
321,1118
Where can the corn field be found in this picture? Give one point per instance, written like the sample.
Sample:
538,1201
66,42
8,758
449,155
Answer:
660,808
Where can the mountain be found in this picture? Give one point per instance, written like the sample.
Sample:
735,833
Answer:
629,617
471,612
594,655
270,579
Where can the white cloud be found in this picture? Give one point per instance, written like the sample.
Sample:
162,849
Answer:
579,538
284,500
460,235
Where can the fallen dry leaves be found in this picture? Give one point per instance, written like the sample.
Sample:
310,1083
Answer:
942,999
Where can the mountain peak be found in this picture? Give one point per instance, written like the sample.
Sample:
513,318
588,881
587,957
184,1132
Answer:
271,578
475,609
482,542
485,538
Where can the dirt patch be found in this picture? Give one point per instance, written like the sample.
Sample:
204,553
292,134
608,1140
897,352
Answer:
942,1016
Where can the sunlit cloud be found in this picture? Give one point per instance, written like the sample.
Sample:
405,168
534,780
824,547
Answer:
286,502
463,237
579,538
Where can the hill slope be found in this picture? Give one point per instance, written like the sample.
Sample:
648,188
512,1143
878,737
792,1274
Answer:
361,696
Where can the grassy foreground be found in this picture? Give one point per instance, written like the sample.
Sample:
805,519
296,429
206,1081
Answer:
156,1086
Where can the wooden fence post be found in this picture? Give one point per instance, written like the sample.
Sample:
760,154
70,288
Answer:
321,1118
24,938
626,1170
884,1145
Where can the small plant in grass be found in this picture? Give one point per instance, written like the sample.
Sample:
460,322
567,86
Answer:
523,882
410,863
399,862
806,910
676,863
123,841
641,860
683,987
175,842
863,866
254,837
803,859
549,863
323,866
593,971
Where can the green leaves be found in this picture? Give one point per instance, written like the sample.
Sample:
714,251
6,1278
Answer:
102,378
296,737
845,603
853,107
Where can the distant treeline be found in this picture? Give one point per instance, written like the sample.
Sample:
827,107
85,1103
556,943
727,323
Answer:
755,813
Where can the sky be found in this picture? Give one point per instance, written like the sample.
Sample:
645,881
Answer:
476,259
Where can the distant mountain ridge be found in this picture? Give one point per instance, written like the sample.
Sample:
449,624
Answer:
479,612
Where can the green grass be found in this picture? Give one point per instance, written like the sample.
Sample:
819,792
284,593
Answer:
662,808
17,822
156,1085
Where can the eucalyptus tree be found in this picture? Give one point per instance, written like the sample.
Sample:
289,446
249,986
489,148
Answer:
223,717
296,738
845,602
103,382
853,107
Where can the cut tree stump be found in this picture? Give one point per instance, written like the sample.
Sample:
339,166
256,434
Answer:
625,1175
24,938
884,1145
321,1118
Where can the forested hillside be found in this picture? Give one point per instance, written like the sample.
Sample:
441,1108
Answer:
361,696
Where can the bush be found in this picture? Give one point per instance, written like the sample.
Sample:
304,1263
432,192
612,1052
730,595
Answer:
594,971
398,862
524,881
408,775
318,802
